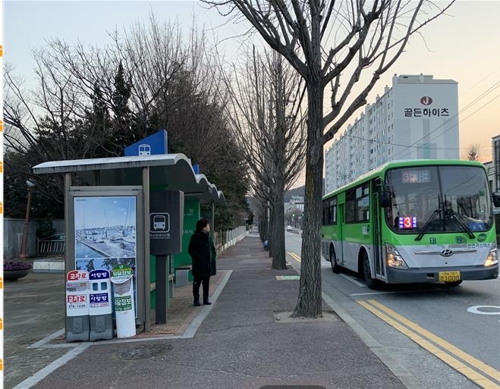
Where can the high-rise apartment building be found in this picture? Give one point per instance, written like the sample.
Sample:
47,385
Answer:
495,147
416,118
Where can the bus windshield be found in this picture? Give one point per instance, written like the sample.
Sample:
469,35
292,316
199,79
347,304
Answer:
428,199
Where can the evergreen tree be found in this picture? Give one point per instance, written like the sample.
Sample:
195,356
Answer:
122,129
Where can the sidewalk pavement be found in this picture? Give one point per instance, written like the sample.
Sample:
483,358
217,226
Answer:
246,339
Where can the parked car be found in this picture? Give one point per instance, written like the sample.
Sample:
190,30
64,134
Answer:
289,228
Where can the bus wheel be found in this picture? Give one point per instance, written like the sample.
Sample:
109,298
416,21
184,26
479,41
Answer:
333,261
370,282
453,283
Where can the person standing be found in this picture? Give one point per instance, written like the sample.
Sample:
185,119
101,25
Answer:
202,252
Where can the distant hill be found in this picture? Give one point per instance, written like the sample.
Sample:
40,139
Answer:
300,191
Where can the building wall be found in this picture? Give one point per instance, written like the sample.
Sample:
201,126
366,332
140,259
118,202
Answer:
416,118
496,162
13,235
296,202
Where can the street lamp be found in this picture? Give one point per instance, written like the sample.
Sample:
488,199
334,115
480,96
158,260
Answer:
23,254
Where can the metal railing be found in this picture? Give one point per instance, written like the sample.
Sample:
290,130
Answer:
228,238
223,240
48,248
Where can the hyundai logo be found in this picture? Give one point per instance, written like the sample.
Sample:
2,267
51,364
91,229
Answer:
446,253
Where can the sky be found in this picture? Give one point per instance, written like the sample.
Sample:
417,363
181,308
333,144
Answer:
463,46
104,212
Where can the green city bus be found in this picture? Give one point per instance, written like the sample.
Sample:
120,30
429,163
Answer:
413,222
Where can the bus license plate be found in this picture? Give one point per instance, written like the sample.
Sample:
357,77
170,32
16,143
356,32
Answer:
449,276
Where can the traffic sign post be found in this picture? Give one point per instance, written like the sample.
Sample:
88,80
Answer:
165,238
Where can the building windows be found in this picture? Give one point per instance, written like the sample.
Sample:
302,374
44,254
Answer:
376,125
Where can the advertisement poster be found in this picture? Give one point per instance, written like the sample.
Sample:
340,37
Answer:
105,233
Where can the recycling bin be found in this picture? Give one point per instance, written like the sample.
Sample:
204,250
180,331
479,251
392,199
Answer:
77,308
100,306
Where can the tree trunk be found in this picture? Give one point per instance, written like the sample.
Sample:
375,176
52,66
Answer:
265,226
309,302
278,217
270,231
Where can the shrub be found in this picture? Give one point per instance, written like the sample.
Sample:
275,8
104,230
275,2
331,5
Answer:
16,265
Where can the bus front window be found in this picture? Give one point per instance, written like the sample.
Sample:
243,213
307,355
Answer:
466,194
415,197
446,198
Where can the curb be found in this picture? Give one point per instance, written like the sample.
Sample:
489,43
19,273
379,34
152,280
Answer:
47,265
406,377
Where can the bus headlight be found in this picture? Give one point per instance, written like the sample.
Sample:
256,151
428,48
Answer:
492,256
393,258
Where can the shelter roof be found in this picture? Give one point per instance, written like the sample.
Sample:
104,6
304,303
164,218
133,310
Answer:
174,171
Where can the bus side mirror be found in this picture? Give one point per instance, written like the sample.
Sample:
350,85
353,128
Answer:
496,199
384,199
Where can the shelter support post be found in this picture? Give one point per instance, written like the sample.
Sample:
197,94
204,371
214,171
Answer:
147,270
162,265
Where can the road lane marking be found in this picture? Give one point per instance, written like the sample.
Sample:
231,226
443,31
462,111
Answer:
478,310
349,278
394,292
294,256
435,345
298,259
443,343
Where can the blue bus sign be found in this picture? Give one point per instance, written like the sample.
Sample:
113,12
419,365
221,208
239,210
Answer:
152,145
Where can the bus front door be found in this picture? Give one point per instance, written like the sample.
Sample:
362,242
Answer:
377,237
340,236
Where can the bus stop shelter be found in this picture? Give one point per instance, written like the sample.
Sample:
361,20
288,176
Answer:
133,178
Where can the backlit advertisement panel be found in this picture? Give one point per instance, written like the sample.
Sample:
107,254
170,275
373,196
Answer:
105,233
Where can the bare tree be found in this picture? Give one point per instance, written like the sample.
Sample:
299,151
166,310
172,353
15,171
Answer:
473,152
161,69
329,41
92,101
266,117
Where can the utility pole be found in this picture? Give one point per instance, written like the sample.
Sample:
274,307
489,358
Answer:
24,240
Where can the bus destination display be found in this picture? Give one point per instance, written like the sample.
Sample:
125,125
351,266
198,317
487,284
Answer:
415,176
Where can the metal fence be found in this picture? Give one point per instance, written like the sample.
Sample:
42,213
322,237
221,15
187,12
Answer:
48,248
223,240
226,239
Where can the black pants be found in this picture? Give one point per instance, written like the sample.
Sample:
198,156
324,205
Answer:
196,287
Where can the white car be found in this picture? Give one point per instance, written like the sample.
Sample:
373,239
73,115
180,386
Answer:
289,228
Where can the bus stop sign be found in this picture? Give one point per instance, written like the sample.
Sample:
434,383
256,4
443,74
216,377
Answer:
166,222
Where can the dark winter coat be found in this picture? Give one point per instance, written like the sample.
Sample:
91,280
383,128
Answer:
200,251
213,257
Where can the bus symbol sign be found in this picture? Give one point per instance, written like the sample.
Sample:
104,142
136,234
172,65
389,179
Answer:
160,222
